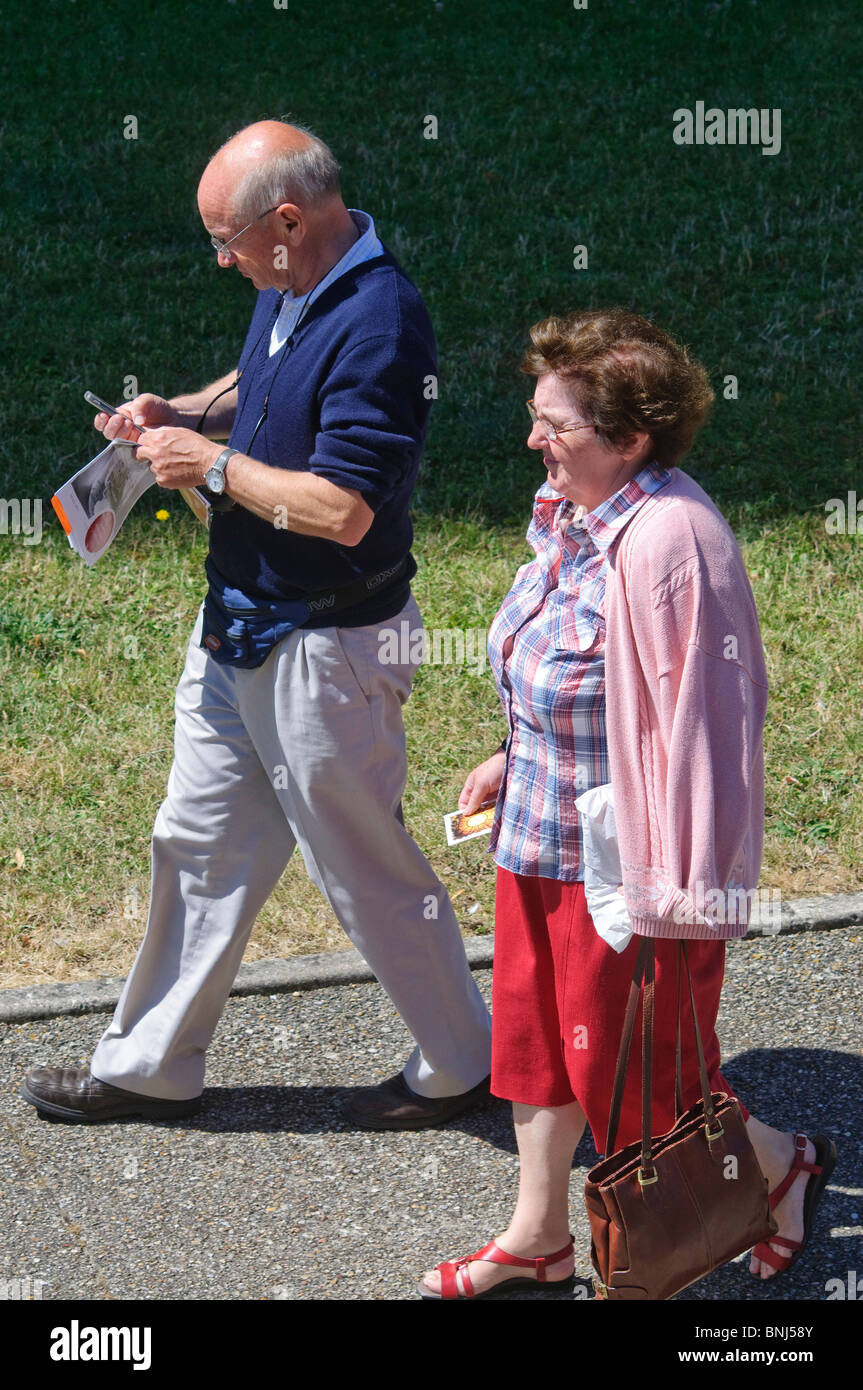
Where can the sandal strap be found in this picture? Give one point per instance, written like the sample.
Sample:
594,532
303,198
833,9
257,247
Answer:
449,1272
774,1258
783,1240
450,1269
495,1255
448,1281
469,1290
797,1166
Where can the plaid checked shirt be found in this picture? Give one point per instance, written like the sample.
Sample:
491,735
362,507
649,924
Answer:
547,651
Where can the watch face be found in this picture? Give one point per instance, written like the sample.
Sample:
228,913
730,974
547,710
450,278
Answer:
215,480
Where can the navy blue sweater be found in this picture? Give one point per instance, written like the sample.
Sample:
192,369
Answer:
347,401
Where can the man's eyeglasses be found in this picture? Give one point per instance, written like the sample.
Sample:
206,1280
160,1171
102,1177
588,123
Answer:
221,246
551,431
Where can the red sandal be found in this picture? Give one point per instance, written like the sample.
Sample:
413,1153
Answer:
825,1162
449,1270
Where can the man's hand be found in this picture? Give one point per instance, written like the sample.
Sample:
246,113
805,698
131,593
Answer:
483,783
178,457
146,410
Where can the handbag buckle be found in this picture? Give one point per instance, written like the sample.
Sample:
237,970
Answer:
717,1133
645,1182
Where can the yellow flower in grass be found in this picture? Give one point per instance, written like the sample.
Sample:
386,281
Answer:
162,515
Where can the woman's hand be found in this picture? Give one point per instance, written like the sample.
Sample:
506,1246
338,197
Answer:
483,783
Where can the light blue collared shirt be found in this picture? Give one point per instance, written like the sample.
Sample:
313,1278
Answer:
365,248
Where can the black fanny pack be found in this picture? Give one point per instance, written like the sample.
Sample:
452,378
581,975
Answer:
238,631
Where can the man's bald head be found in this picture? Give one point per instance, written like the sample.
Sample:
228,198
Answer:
271,201
265,165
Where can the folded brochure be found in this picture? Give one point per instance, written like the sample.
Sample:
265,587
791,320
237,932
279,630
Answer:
94,503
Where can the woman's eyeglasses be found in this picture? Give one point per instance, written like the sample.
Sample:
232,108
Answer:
551,431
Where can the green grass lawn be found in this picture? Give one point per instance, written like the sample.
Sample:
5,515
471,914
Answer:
554,130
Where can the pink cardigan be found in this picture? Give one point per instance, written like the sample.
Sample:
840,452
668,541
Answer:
686,695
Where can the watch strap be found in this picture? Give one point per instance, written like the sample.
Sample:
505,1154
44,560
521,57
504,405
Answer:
222,461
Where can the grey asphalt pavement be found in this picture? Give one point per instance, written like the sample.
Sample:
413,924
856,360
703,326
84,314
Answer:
269,1194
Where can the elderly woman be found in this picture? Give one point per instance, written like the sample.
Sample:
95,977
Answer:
627,655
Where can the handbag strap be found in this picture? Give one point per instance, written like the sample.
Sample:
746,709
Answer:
707,1097
678,1065
644,970
647,1173
626,1042
647,1066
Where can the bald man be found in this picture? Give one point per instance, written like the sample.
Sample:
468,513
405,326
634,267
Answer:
288,722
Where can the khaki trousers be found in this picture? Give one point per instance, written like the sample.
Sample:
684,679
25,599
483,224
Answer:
308,750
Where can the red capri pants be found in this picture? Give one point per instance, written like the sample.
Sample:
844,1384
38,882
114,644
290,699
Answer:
559,996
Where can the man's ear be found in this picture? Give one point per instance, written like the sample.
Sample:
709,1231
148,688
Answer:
292,220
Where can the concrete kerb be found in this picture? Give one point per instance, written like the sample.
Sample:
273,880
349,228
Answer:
284,976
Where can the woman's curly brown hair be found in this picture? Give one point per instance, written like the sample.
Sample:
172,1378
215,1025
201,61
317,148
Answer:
626,375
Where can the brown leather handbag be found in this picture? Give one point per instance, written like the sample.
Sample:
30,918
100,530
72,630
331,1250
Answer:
667,1211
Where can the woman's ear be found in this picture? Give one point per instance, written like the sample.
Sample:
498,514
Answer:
636,447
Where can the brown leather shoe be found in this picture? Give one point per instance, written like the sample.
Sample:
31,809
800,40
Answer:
393,1105
73,1094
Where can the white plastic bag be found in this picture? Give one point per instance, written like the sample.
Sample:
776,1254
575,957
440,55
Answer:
602,872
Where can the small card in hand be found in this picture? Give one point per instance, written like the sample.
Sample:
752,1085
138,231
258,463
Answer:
460,826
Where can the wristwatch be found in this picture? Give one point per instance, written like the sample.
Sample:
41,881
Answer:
215,476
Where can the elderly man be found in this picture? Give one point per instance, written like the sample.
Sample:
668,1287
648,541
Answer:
288,726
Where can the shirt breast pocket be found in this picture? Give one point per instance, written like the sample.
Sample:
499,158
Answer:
576,629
